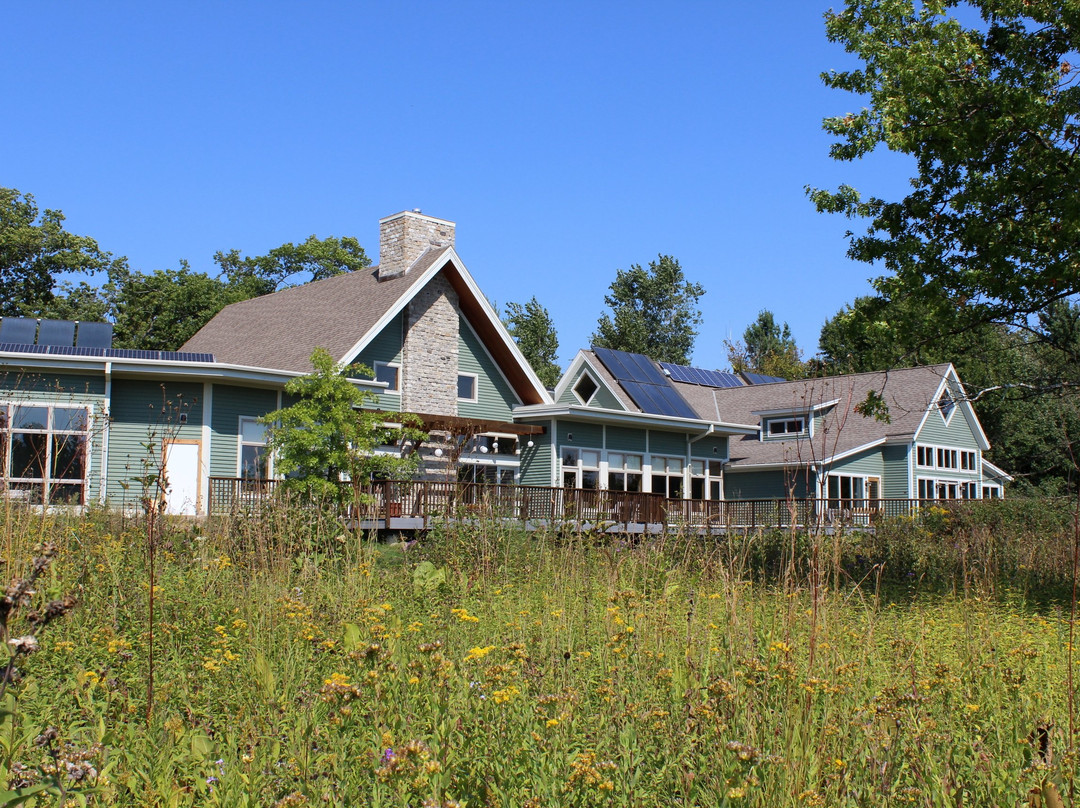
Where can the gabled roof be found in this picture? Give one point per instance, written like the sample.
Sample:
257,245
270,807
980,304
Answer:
907,392
344,313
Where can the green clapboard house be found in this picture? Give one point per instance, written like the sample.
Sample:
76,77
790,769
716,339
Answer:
84,423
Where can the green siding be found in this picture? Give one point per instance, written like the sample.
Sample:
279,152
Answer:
667,443
146,412
536,462
622,439
895,481
590,436
65,388
957,433
604,398
868,463
704,448
496,397
228,406
764,484
385,347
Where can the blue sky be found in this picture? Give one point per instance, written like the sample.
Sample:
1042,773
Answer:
565,139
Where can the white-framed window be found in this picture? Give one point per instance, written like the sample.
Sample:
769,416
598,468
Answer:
936,489
624,472
44,452
493,444
389,372
785,427
467,384
253,458
968,461
991,492
924,456
842,489
580,467
667,476
946,405
585,388
947,458
706,478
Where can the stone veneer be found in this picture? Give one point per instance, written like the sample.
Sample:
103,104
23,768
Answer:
429,356
405,236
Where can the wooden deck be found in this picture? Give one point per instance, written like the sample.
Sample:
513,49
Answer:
418,505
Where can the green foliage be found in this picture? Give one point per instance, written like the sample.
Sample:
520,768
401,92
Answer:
35,250
767,348
552,671
654,311
327,436
988,112
314,259
534,332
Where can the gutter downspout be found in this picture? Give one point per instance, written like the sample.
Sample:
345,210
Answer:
103,473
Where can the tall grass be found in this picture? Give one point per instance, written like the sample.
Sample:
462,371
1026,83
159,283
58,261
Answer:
298,664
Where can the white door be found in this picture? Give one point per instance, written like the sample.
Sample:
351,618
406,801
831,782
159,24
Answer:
182,478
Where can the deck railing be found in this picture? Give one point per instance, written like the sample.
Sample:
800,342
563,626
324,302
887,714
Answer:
437,501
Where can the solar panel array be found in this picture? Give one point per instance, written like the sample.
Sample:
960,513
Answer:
94,335
645,384
758,378
106,353
706,378
22,330
56,332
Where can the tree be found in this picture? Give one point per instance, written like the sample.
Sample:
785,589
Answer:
327,436
990,113
162,310
767,348
534,332
35,250
654,312
314,259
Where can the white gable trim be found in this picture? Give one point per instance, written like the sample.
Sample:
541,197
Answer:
484,347
449,255
964,404
573,373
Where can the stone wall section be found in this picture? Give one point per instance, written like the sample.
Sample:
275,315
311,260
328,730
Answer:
404,237
429,356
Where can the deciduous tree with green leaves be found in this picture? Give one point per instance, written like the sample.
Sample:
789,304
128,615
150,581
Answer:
36,251
327,436
532,329
310,260
988,108
654,311
767,347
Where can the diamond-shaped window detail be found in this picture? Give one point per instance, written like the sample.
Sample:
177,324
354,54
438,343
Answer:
586,388
946,405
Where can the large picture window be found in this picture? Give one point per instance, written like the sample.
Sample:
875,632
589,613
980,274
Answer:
667,476
624,472
43,452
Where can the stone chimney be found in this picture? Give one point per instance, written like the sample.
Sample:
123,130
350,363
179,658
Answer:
405,236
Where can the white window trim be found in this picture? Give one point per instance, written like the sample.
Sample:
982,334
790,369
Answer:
766,432
5,459
596,387
957,481
975,470
954,405
241,443
475,387
393,391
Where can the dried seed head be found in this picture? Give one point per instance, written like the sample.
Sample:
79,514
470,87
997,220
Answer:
26,644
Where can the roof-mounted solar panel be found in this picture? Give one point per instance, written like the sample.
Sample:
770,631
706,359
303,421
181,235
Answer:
94,335
759,378
644,383
18,330
60,333
701,376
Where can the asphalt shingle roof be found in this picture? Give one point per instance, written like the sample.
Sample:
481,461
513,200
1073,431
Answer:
282,329
907,392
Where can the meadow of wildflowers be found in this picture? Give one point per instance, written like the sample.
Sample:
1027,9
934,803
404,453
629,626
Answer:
492,668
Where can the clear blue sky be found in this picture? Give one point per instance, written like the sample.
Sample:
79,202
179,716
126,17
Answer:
565,139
